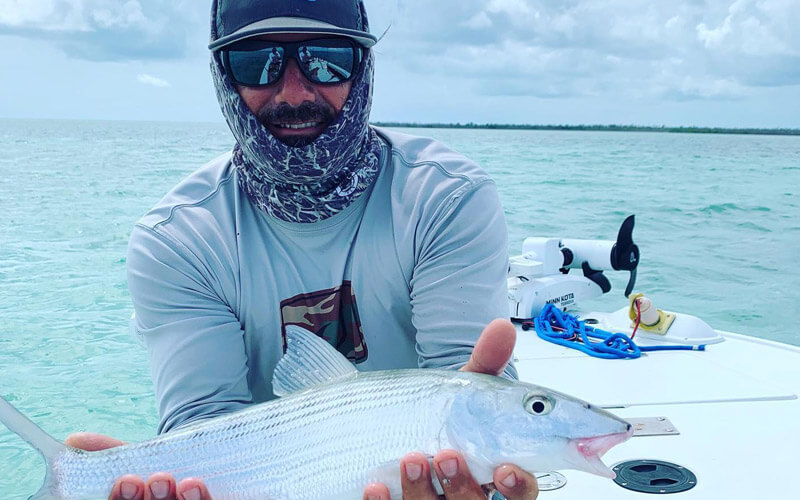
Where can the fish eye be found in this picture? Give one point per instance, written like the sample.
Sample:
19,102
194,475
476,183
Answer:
538,404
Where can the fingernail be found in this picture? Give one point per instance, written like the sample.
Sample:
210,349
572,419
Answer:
160,489
193,494
510,480
413,471
128,490
449,467
373,497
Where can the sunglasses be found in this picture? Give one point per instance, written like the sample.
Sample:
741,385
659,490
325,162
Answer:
325,61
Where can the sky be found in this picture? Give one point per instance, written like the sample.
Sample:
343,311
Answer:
717,63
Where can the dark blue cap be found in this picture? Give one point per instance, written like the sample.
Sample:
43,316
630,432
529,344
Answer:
240,19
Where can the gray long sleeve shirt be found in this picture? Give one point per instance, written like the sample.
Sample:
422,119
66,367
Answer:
406,276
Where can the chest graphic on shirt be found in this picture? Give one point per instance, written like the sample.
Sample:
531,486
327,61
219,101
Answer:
331,314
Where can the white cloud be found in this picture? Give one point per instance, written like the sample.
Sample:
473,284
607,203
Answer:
755,27
675,22
54,15
511,7
467,60
151,80
479,21
17,12
725,46
128,15
713,37
108,29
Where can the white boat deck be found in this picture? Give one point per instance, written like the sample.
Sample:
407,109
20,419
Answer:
735,405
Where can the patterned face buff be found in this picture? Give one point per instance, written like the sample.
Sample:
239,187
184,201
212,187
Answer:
303,183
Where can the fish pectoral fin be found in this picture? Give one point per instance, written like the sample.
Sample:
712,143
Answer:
309,360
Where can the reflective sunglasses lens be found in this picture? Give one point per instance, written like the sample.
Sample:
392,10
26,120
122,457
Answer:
327,61
256,67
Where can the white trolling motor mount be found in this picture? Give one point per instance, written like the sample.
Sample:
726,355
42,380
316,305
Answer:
541,276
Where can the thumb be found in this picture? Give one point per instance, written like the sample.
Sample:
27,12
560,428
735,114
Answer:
90,441
494,348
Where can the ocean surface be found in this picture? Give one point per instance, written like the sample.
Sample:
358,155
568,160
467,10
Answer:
717,222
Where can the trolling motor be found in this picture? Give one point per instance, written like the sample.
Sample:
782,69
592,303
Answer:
541,275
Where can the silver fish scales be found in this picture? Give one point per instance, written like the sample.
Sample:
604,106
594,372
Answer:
336,430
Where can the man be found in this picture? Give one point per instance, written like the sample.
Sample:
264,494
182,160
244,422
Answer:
273,66
393,248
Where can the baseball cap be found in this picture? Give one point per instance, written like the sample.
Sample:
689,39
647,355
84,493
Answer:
240,19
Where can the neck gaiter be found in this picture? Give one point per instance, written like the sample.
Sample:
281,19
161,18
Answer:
306,183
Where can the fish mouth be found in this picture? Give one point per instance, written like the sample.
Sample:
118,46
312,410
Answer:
592,448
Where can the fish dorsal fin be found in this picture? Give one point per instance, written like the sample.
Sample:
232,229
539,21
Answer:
309,360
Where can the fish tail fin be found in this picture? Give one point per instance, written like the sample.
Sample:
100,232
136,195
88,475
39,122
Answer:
44,443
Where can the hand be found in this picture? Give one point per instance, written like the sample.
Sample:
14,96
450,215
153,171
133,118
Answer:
491,354
456,480
159,486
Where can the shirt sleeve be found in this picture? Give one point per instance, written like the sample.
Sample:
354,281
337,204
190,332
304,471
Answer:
194,340
459,279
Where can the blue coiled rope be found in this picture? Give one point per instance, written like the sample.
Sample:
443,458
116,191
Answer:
558,327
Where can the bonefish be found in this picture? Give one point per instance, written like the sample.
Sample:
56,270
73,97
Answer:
344,429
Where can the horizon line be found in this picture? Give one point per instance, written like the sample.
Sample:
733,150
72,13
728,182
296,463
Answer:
599,128
492,126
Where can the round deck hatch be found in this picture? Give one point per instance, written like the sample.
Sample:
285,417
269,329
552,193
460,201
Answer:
654,476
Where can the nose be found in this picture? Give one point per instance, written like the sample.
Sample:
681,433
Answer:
293,87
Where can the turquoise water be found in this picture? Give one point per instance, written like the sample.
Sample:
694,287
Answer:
718,224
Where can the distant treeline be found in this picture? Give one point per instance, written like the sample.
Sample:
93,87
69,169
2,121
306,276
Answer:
601,128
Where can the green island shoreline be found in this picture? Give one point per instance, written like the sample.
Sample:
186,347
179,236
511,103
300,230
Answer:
598,128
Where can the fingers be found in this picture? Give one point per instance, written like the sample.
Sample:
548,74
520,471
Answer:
90,441
376,491
127,488
455,477
194,489
494,348
159,486
415,478
456,480
515,484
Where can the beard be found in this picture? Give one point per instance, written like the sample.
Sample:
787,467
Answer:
320,112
